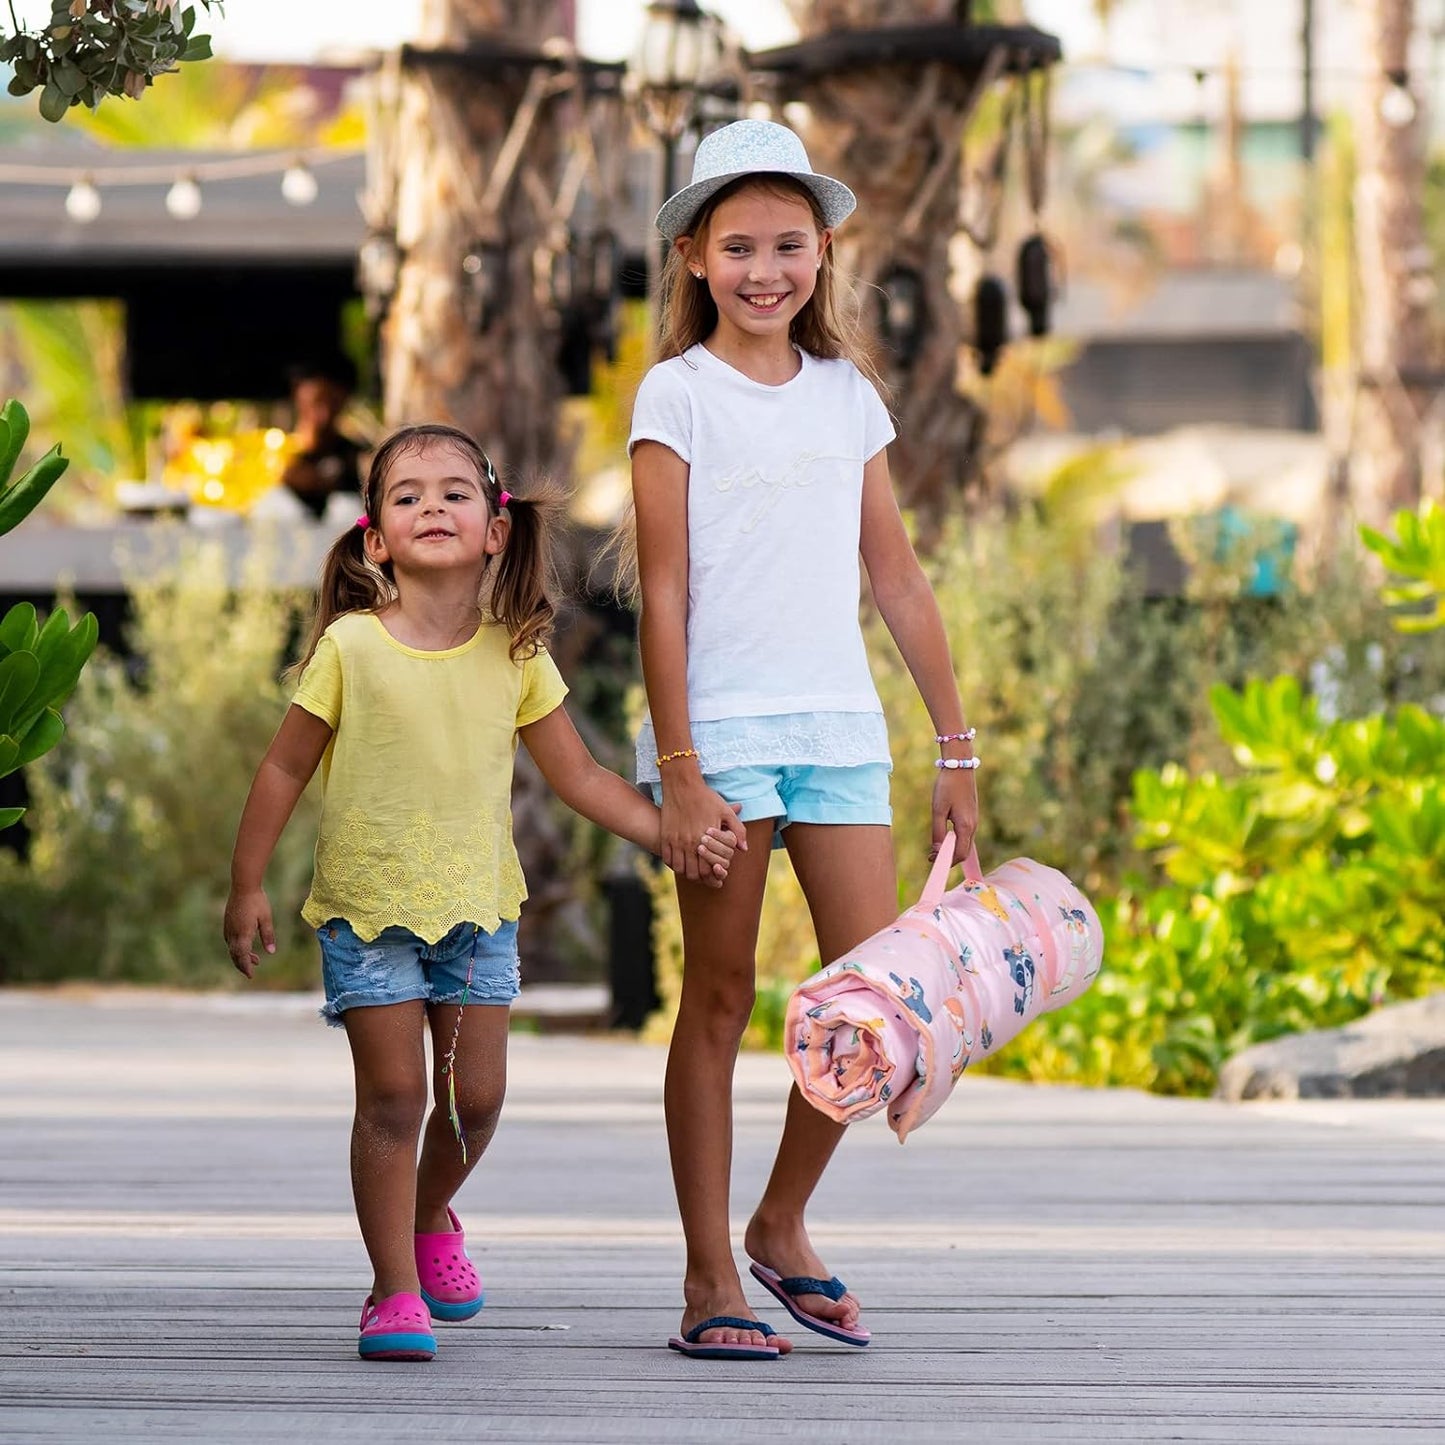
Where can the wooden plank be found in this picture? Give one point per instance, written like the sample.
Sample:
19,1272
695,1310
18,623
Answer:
178,1259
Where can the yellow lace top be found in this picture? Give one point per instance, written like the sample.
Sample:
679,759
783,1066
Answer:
416,819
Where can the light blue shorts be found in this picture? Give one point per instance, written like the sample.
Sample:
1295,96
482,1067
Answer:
397,966
803,793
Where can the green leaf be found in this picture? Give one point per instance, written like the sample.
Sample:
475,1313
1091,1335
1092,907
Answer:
46,731
61,662
18,629
9,754
17,427
19,672
53,102
68,78
10,816
198,49
57,626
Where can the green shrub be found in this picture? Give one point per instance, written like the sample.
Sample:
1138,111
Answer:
133,820
1295,895
1416,553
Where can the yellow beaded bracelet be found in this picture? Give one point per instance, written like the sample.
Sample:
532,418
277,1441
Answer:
673,757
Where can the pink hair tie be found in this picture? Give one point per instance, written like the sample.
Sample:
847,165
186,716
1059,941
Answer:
363,521
503,498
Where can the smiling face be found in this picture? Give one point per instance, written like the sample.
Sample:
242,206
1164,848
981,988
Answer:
432,513
758,253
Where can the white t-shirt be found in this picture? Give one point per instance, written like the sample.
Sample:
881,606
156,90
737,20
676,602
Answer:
775,487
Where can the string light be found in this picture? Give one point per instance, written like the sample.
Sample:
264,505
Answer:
183,200
83,189
82,201
298,185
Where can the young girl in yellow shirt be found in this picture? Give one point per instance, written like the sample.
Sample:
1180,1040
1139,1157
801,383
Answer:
426,663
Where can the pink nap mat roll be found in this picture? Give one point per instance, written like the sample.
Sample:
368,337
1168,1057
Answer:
895,1022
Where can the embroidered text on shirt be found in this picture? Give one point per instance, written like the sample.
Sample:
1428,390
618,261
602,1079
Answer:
791,477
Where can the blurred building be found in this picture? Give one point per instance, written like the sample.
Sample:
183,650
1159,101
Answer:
1201,345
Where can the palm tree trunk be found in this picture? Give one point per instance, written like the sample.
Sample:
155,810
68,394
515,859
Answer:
493,372
1394,276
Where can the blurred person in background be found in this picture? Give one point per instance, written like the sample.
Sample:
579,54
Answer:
325,460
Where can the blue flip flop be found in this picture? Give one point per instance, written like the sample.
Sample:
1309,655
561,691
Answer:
785,1290
689,1345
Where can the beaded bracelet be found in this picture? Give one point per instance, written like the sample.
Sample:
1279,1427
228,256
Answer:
963,737
680,753
952,763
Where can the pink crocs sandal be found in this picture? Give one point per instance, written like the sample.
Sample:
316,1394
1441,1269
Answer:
396,1328
450,1284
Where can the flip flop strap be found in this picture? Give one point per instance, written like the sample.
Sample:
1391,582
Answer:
720,1322
797,1284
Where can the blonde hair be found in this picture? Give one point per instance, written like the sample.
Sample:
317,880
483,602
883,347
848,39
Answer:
519,597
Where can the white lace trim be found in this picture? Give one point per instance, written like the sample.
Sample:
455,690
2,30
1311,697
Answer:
822,739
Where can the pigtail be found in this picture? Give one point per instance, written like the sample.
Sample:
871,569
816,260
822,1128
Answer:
524,584
349,583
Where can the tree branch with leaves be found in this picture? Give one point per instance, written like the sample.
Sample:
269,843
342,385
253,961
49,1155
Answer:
95,48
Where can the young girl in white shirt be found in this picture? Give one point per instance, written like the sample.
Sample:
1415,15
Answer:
760,477
426,663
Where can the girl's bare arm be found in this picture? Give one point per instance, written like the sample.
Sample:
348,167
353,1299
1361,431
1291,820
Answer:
599,795
290,761
909,610
689,807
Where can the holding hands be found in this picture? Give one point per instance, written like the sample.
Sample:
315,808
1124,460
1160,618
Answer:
692,810
715,855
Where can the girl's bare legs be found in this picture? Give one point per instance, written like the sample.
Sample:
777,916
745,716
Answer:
389,1059
720,935
481,1084
849,877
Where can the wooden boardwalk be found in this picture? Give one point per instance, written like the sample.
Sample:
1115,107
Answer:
178,1260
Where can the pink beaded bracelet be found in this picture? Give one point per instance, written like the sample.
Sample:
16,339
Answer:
963,737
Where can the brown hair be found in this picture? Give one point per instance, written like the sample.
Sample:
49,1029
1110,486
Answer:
519,597
828,326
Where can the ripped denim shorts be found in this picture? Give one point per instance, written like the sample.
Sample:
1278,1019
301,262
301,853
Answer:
397,966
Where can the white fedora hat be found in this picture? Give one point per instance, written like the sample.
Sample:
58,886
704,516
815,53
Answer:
746,148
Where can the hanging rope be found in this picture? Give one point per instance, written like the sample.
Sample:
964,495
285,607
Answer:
1035,122
982,226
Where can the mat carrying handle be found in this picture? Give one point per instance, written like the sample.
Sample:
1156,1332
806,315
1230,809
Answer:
934,889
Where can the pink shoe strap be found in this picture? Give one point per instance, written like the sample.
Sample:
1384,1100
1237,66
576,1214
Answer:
456,1229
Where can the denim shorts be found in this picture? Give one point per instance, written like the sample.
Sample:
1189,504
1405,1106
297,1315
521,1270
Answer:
397,966
803,793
